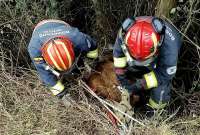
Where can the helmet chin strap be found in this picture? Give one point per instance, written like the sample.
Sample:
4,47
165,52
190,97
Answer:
130,60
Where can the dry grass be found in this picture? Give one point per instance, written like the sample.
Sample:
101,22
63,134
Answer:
26,107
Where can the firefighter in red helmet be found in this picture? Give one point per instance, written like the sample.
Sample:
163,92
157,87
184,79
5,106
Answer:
145,57
54,48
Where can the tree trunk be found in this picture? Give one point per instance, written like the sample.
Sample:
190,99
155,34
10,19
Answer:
164,7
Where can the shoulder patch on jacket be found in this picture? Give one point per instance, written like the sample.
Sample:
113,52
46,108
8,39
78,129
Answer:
171,70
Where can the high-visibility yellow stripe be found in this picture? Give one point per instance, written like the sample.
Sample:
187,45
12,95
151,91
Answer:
127,36
58,88
154,38
93,54
51,57
151,80
120,62
155,105
58,54
38,59
67,52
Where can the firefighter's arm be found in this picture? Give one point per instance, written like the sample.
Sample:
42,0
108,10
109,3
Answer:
151,80
167,61
84,44
47,76
120,64
92,51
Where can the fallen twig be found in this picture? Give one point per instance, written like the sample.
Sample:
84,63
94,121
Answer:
86,87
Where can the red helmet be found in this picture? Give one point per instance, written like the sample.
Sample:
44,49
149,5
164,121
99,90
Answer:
142,40
58,53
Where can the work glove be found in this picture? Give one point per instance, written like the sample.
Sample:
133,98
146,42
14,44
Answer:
139,85
61,94
65,97
125,99
124,106
67,100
